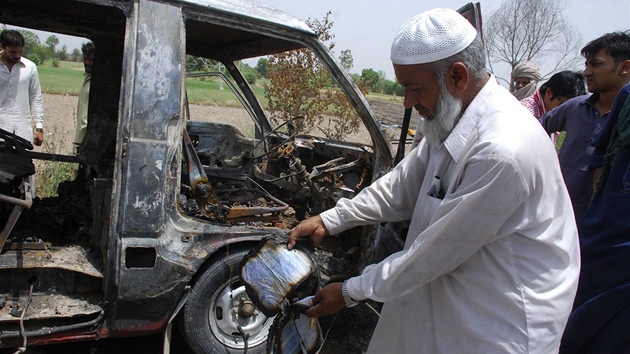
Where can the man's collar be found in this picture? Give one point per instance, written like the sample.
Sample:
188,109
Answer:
592,99
5,64
458,138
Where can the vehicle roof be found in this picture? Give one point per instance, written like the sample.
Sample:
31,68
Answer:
254,9
241,23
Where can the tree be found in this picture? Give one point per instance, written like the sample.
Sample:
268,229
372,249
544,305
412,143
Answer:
31,46
370,78
298,88
76,55
262,67
52,42
346,59
62,54
533,30
250,74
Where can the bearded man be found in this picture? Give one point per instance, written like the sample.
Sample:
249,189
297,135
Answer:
491,259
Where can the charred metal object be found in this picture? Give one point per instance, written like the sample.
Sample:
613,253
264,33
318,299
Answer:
295,333
276,279
213,207
275,276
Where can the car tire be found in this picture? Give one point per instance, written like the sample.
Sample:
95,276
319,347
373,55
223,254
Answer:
210,318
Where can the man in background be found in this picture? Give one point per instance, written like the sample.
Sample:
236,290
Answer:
525,78
607,70
84,93
21,100
561,87
601,312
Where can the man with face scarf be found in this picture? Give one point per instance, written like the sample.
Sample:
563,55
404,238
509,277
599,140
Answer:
491,259
525,78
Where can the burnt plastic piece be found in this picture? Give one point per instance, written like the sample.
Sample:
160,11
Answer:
274,276
295,333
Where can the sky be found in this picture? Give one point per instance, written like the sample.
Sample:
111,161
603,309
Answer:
367,27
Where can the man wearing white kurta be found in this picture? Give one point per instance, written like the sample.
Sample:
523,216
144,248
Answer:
491,259
20,91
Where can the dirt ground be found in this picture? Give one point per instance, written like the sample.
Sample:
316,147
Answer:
348,332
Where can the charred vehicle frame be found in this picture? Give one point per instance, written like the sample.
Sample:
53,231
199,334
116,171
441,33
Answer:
164,206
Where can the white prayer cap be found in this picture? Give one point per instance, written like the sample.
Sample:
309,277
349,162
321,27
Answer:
431,36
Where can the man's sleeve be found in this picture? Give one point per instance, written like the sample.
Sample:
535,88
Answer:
36,100
390,198
555,120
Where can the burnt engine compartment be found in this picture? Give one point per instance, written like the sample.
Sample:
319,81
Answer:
279,180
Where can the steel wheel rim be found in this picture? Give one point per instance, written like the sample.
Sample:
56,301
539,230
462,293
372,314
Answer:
223,318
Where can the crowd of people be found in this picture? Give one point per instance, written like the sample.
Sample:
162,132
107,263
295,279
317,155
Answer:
511,247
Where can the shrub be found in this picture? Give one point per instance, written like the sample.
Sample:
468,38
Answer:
49,174
298,86
35,58
250,76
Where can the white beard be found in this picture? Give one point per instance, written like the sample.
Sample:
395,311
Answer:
445,118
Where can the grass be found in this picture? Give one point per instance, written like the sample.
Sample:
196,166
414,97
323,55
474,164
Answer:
206,91
384,97
68,77
65,79
49,174
560,140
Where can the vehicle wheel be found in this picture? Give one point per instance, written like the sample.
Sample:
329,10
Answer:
217,305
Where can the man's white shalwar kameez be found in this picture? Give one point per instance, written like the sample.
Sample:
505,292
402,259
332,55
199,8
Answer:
490,268
21,99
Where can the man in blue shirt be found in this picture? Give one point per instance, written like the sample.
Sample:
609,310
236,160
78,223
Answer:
601,311
607,70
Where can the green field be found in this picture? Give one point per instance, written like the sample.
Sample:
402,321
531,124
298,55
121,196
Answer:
65,79
68,76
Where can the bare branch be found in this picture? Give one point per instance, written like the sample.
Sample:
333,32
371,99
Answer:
534,30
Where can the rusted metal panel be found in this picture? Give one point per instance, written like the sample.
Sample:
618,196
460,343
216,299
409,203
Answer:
50,306
72,258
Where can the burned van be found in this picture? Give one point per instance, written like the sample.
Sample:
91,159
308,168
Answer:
169,197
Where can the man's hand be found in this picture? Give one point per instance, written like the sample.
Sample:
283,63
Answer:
38,137
327,302
313,227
